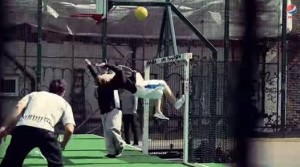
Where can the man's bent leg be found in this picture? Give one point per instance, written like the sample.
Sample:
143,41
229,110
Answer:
170,96
134,129
115,123
168,92
51,149
158,113
139,80
126,123
107,135
20,145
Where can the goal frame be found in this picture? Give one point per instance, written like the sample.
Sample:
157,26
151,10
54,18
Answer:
185,57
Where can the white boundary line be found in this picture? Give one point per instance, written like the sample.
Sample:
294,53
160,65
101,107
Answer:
127,145
134,147
198,165
39,153
203,165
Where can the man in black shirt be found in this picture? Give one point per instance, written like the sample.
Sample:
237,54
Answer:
111,114
125,78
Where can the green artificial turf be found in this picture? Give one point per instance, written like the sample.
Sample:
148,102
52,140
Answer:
89,151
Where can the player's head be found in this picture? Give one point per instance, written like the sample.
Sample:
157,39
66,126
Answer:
58,87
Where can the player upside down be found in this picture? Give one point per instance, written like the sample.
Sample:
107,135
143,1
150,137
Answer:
125,78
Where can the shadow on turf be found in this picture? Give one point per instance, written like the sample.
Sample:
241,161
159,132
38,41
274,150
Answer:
128,159
99,150
88,138
110,163
89,150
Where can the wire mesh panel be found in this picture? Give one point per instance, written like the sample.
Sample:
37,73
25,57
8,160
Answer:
210,136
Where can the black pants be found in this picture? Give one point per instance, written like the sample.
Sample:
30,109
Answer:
130,120
24,139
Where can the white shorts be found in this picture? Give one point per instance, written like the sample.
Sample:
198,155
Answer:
153,89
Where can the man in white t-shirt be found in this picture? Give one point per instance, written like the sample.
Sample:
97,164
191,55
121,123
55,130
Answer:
36,115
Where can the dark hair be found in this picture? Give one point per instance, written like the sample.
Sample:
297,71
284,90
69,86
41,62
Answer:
57,86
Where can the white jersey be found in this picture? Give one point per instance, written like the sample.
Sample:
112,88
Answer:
44,110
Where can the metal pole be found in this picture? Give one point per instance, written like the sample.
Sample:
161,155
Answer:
127,3
104,34
186,109
146,139
39,44
172,29
226,32
226,65
284,46
161,34
226,56
25,58
167,39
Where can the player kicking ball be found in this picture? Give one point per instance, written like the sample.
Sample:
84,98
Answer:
123,77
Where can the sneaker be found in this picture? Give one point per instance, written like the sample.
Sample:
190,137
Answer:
120,151
110,156
179,102
160,115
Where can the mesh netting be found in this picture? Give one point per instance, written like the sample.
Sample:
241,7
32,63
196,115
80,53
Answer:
166,137
210,132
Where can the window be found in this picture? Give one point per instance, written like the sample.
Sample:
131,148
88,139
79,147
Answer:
9,86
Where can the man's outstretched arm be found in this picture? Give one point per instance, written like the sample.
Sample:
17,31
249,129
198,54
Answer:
89,65
114,68
13,117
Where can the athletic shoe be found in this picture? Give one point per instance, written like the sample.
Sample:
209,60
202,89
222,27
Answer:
160,115
120,151
179,102
110,156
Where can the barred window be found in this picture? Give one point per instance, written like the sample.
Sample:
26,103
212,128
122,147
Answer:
9,86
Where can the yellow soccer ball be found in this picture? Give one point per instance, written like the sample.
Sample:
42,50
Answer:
141,13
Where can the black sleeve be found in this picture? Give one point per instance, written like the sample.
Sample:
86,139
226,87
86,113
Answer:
119,73
94,74
114,68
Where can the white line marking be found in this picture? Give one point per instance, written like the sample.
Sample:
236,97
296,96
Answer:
137,148
193,164
39,153
203,165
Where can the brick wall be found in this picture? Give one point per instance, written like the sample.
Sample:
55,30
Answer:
293,87
293,90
